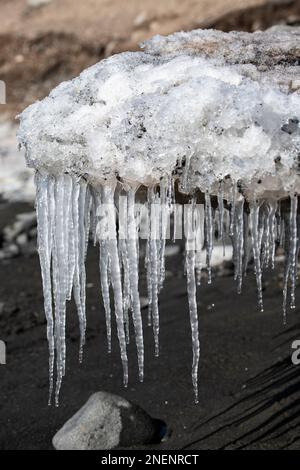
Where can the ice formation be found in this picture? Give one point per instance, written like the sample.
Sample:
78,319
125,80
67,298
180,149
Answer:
202,117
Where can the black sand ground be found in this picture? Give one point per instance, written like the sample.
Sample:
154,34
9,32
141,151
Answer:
249,390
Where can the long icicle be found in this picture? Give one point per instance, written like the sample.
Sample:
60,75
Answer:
191,290
67,269
290,270
83,225
239,241
254,216
104,269
108,201
273,206
44,224
123,253
77,268
164,206
134,280
293,248
221,214
209,234
58,281
153,256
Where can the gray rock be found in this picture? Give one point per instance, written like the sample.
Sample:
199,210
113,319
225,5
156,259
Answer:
107,421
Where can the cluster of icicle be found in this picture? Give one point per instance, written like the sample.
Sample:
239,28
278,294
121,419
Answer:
68,212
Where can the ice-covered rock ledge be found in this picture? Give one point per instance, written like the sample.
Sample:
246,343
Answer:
203,111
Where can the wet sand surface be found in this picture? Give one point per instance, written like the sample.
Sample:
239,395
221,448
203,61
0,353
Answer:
249,390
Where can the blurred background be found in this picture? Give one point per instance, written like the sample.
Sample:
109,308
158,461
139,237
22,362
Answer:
249,392
43,42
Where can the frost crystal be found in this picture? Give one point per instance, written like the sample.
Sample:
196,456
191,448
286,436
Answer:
211,115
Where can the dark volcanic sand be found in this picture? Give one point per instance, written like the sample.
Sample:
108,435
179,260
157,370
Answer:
249,391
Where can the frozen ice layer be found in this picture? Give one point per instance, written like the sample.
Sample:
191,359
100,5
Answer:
221,104
198,113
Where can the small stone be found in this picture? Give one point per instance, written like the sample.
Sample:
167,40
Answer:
107,421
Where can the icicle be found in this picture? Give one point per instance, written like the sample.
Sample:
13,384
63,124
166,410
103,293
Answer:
237,238
124,262
108,200
291,242
94,205
254,216
265,240
148,271
77,268
44,226
164,211
147,259
87,217
221,214
83,230
232,209
103,264
293,247
209,234
134,280
272,222
68,261
157,233
191,290
198,266
239,243
247,243
70,241
59,271
281,226
198,215
126,286
153,257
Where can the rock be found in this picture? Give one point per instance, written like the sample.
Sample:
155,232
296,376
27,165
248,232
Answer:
107,421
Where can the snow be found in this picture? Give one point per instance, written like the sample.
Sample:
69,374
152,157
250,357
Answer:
226,98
